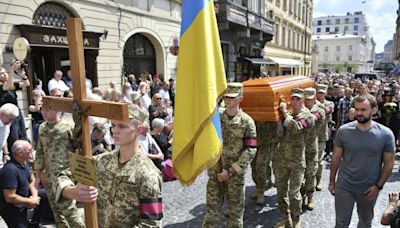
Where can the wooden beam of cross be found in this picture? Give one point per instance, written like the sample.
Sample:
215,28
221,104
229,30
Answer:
110,110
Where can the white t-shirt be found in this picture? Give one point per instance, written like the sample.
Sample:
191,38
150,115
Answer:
164,94
60,84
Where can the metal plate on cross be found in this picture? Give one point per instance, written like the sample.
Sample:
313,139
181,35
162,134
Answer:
83,169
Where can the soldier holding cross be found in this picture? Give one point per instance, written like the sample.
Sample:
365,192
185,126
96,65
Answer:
128,188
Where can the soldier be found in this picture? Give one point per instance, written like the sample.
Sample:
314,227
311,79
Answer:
226,178
318,113
54,143
128,188
268,139
289,162
323,130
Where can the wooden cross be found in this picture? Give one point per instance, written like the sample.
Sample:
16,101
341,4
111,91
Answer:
110,110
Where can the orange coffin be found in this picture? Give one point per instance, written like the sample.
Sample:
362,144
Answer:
262,96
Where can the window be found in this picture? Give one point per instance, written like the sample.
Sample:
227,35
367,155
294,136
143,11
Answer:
346,29
355,28
288,40
350,48
350,58
338,48
255,6
337,58
336,29
326,49
346,20
285,5
283,41
319,22
276,38
355,33
328,22
356,20
295,7
327,29
318,30
337,21
278,2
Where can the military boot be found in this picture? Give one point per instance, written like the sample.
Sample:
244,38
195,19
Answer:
311,201
320,184
284,223
296,222
260,197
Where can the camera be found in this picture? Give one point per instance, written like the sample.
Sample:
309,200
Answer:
24,66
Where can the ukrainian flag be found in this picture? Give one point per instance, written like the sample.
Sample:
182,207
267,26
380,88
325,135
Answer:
200,82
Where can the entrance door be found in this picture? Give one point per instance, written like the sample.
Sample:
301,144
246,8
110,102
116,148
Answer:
47,60
139,56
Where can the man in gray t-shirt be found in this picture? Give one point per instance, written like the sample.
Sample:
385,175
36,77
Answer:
364,155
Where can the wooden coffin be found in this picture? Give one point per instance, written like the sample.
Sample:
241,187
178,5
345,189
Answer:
262,96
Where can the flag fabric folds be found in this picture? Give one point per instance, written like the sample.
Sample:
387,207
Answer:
200,82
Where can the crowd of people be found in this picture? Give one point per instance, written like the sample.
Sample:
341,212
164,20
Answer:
331,120
32,168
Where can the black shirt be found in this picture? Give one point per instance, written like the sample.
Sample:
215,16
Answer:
9,96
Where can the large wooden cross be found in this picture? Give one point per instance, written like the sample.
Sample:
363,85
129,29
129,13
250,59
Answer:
110,110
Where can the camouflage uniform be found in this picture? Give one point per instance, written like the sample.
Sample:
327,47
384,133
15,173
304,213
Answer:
318,113
267,143
289,162
54,143
129,194
238,150
323,132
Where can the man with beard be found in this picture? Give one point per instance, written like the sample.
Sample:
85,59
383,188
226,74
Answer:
361,173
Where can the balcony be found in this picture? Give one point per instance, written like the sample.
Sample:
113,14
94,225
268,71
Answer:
231,15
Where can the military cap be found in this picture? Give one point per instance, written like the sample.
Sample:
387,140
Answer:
309,93
234,89
136,112
321,88
390,105
297,92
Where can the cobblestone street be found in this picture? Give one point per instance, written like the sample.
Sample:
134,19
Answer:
185,207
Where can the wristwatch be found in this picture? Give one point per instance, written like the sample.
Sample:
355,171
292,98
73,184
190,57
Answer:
380,187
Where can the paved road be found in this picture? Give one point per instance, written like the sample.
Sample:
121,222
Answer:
185,206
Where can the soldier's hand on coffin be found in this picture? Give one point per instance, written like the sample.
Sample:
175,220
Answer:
81,193
283,106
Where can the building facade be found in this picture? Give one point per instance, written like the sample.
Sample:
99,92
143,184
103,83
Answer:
120,37
289,52
353,24
244,27
396,39
341,53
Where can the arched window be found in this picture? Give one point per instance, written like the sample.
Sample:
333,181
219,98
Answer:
139,55
51,14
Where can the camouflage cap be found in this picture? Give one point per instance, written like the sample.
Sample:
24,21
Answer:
297,92
309,93
321,88
136,112
234,89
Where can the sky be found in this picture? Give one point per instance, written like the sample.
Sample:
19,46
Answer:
381,15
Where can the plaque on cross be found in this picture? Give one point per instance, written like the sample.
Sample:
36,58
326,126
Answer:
79,103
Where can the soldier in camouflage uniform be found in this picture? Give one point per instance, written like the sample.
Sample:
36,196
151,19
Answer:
267,143
128,188
323,130
318,113
289,161
54,144
226,178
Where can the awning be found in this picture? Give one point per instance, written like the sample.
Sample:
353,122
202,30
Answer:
285,62
259,61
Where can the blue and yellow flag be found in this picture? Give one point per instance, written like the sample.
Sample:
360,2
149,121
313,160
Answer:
200,82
